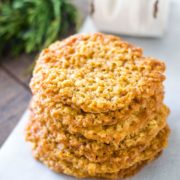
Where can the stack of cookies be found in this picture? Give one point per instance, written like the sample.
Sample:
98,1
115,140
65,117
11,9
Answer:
97,107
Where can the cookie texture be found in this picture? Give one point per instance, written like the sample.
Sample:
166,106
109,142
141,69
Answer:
97,108
96,73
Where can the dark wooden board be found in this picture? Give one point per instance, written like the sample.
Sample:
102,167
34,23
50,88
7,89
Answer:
19,67
13,101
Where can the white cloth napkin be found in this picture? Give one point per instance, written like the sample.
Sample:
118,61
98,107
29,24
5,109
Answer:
131,17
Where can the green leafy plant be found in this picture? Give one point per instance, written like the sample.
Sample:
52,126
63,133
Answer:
30,25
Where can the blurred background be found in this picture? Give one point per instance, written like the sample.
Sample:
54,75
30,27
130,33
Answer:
28,26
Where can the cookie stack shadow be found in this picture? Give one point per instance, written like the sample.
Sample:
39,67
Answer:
97,108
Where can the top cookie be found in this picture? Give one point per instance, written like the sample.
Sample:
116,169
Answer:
96,73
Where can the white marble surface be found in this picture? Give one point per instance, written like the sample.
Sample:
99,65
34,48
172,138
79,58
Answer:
16,162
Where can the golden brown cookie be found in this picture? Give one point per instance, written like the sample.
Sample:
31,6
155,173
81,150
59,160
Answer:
76,117
67,117
96,73
95,151
97,108
55,157
124,173
60,133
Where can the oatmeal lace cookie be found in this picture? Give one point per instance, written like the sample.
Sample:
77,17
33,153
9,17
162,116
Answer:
96,73
97,107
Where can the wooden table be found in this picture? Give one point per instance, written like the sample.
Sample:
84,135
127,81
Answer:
14,90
